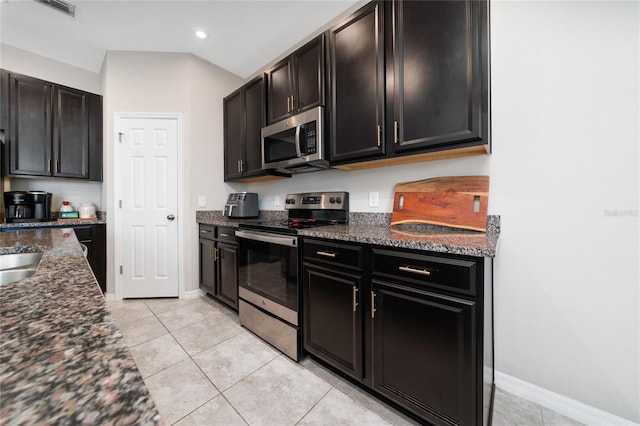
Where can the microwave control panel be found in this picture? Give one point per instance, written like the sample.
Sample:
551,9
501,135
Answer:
309,145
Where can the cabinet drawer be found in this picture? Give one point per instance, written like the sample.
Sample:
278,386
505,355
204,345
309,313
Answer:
329,253
458,275
227,234
208,232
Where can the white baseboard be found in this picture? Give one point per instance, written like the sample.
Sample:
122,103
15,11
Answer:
192,294
566,406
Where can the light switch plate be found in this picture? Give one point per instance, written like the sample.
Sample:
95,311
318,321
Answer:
373,199
202,201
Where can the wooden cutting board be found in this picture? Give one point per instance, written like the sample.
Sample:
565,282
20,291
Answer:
455,201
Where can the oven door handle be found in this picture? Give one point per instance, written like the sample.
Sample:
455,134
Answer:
282,240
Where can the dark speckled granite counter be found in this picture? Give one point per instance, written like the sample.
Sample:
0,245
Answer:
373,228
62,360
51,223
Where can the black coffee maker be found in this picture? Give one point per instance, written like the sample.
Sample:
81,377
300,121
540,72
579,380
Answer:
29,206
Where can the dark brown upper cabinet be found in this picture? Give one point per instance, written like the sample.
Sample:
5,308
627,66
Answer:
51,130
296,83
357,85
439,73
413,84
243,122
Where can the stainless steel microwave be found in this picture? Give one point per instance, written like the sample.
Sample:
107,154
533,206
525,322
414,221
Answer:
295,145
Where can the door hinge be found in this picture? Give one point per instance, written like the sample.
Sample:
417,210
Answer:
121,269
120,137
120,203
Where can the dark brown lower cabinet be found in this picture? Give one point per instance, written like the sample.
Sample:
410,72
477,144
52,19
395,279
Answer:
227,282
207,265
333,318
94,237
413,327
219,264
423,352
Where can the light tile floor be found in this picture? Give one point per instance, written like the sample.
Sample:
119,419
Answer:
203,368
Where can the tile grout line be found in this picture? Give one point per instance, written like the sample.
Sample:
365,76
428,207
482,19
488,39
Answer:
221,392
315,405
190,357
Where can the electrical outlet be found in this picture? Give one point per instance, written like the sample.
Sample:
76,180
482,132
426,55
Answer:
373,199
276,200
202,201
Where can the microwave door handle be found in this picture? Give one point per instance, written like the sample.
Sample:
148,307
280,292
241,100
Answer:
297,142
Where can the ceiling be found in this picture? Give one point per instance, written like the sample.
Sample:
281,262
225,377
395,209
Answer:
243,35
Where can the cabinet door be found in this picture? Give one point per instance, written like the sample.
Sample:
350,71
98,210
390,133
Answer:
357,86
254,113
308,81
423,352
30,133
233,135
227,286
279,91
207,265
437,82
95,137
333,318
98,260
4,110
70,133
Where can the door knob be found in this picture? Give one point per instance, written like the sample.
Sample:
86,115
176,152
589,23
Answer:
171,217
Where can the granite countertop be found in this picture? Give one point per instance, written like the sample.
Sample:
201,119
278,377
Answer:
62,359
436,239
50,223
373,228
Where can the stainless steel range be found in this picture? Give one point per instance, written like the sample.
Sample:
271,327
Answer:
269,267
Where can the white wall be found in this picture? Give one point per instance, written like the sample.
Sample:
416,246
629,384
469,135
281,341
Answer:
172,83
564,178
23,62
566,108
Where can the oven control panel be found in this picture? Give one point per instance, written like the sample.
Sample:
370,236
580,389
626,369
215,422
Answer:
318,201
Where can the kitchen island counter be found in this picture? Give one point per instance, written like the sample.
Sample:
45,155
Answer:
51,223
62,359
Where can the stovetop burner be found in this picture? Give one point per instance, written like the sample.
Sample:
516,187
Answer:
308,210
289,226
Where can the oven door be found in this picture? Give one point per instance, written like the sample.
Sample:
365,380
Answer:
268,272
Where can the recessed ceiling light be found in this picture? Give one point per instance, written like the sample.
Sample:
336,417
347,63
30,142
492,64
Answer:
201,34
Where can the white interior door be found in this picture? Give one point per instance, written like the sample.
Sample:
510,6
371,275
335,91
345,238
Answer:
148,160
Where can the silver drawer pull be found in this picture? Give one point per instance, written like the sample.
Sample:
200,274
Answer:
224,235
326,253
424,271
204,232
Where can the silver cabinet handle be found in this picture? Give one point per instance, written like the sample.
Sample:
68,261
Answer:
424,271
326,253
355,298
373,305
171,217
395,132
